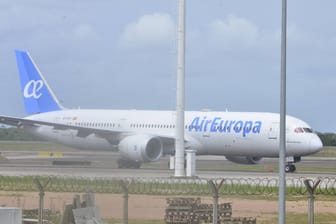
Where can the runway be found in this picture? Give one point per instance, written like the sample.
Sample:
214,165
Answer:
104,165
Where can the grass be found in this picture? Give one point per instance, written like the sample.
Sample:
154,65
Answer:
295,218
154,188
33,146
3,158
326,152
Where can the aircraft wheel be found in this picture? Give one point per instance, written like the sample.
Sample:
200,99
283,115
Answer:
290,168
287,168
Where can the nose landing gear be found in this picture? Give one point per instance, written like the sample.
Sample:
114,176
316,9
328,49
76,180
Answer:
290,167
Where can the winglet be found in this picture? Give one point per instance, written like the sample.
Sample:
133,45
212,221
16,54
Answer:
37,95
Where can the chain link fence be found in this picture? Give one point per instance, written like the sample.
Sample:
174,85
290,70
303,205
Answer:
166,186
152,190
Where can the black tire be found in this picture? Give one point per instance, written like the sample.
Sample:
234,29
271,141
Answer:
292,168
287,169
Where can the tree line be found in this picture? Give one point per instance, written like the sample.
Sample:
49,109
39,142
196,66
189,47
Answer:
328,139
17,134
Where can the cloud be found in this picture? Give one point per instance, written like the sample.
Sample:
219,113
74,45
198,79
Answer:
155,29
234,31
83,31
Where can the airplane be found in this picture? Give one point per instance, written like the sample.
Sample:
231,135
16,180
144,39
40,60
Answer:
142,136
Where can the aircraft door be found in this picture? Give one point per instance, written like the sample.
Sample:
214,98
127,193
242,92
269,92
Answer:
273,131
123,123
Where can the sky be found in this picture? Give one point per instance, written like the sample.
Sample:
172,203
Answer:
121,54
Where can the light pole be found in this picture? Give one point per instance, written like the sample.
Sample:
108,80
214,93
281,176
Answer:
180,92
282,151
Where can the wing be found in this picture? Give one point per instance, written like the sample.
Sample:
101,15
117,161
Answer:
112,136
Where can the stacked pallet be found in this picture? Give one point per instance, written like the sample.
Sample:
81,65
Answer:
192,211
182,210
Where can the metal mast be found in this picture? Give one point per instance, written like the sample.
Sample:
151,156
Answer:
179,142
282,152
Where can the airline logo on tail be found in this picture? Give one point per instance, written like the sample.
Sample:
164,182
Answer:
33,88
37,95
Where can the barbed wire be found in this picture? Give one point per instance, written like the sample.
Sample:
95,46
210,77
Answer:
166,186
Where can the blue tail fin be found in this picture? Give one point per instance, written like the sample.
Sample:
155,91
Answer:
37,95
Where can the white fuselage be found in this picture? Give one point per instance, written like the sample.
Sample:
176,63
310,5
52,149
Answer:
144,136
209,133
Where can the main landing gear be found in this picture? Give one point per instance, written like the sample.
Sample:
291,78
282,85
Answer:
128,164
290,167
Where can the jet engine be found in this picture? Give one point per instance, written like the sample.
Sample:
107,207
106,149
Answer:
244,159
141,148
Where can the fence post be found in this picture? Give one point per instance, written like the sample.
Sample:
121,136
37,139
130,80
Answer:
215,188
311,187
41,189
124,187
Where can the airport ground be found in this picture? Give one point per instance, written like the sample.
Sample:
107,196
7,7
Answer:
42,158
38,158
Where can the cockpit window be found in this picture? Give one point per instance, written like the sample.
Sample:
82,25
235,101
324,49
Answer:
303,130
299,130
308,130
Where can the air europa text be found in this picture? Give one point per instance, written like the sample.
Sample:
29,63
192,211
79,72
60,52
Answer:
218,124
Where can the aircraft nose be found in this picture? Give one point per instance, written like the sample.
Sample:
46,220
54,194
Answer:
315,144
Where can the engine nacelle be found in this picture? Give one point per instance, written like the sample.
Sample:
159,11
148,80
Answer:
244,159
141,148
